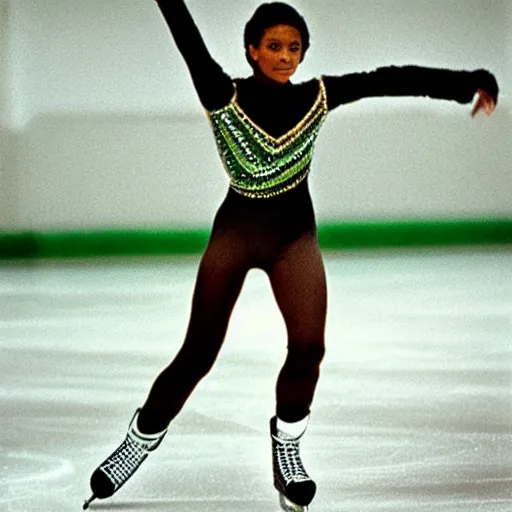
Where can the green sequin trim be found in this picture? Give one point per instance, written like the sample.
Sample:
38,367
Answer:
258,164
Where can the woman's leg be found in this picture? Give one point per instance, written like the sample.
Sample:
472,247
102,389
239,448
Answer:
299,286
219,281
220,278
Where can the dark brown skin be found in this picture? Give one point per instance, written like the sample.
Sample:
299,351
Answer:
279,52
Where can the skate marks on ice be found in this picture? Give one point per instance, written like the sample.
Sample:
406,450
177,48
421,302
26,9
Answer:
209,505
414,404
412,412
393,470
185,505
25,476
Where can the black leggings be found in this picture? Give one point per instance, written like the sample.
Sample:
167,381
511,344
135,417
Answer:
281,240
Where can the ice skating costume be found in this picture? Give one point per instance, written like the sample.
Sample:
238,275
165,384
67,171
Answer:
265,134
259,165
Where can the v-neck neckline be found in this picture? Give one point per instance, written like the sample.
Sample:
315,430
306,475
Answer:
289,134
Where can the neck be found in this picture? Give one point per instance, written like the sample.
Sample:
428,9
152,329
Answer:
263,79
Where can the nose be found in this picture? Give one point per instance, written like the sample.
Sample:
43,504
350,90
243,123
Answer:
285,56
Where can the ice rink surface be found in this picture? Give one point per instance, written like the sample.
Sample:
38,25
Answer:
412,412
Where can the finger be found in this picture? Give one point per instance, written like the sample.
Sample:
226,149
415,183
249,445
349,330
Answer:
489,106
488,99
476,108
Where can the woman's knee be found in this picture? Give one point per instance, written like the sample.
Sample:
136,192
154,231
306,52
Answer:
195,364
306,353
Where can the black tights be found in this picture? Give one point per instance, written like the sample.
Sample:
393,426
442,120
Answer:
297,277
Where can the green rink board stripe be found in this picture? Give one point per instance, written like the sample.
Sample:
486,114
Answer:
340,235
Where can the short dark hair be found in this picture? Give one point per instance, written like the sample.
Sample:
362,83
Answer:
270,15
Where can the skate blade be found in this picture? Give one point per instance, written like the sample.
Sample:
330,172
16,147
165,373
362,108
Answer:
289,506
88,502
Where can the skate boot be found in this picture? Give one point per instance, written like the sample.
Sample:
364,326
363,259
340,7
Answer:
296,489
114,471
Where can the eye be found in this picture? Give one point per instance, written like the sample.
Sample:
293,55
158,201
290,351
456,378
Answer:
295,49
273,46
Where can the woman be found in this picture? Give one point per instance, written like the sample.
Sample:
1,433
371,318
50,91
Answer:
265,128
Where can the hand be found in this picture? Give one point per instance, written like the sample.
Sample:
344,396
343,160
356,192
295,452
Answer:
484,101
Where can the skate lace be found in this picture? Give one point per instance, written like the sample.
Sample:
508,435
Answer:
125,460
290,463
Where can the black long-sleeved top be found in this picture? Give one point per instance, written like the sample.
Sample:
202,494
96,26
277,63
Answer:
261,99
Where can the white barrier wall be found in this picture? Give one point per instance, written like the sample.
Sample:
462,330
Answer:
4,39
109,133
6,168
508,36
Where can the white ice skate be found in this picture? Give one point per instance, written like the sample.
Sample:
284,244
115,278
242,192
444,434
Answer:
295,487
114,471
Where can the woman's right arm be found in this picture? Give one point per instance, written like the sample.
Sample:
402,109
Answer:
213,85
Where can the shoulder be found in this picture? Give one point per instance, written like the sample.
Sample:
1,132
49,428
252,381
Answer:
313,88
242,83
309,90
313,85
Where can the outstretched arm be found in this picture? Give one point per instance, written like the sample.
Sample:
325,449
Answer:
213,85
460,86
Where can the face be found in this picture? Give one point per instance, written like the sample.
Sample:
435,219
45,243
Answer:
279,52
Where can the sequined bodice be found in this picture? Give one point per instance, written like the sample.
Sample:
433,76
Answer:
258,164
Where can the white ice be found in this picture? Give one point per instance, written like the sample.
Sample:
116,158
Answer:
412,411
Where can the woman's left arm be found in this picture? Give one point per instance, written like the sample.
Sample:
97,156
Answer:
446,84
